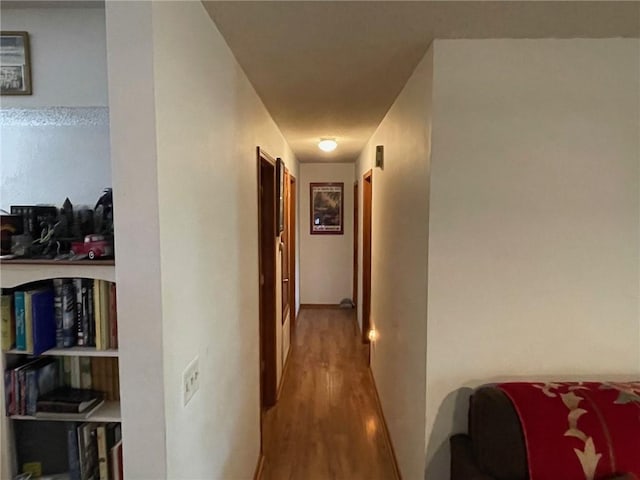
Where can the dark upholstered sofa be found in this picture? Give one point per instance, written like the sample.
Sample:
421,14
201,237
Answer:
494,448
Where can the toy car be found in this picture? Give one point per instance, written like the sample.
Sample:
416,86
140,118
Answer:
94,246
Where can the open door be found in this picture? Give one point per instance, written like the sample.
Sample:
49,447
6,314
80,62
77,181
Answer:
367,191
292,251
354,296
267,278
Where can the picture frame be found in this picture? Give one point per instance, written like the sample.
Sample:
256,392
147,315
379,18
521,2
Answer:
280,170
15,63
326,204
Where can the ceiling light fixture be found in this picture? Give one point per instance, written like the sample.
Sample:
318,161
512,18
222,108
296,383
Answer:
327,144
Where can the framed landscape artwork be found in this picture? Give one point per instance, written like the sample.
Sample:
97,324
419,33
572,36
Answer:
327,208
15,68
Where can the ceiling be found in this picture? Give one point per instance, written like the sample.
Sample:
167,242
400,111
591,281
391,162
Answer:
333,68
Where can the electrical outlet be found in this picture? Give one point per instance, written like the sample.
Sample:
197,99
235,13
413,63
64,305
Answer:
190,380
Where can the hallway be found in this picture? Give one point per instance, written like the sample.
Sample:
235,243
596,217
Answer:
326,424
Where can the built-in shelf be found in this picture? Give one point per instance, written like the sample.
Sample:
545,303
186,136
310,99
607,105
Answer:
71,352
108,412
17,272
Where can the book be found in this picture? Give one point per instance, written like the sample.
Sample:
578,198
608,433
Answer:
68,314
91,315
104,313
85,373
19,309
116,461
41,378
76,377
57,306
28,322
97,312
68,400
70,416
88,451
43,320
103,464
7,322
86,320
80,333
113,316
73,452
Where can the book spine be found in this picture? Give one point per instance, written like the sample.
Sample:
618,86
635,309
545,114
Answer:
43,319
85,312
68,315
103,464
66,371
104,306
8,392
76,380
97,311
85,372
77,288
31,397
116,461
21,339
7,323
113,316
74,454
58,284
28,321
91,315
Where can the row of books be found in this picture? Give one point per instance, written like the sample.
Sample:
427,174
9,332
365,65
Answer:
95,451
59,314
70,385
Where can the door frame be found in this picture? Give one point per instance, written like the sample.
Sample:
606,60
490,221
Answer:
367,201
292,253
267,236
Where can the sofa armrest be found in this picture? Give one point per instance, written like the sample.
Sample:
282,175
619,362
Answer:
463,465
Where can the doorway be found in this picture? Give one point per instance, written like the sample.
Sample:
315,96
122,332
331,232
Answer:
267,277
367,190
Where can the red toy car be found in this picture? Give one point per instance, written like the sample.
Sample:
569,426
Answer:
94,246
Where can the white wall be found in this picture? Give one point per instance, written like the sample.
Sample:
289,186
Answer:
399,264
533,248
55,143
137,232
326,261
68,49
209,122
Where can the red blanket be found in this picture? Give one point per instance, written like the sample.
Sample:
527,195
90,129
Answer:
579,431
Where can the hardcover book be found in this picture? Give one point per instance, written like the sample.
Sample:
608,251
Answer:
68,400
43,320
7,323
21,337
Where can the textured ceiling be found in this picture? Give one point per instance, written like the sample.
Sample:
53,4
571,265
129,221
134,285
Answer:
333,69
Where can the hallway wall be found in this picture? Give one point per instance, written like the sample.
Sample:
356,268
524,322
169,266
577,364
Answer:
326,261
399,264
200,123
534,223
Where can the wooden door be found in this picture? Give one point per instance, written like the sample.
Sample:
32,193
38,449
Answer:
292,250
267,280
367,191
356,231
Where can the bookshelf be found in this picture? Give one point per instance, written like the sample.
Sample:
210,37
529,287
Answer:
15,273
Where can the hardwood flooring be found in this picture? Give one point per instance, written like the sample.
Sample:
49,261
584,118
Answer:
326,423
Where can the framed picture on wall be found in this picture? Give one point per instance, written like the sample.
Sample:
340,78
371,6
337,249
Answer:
280,196
327,208
15,63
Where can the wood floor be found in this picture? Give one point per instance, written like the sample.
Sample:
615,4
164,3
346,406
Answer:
326,423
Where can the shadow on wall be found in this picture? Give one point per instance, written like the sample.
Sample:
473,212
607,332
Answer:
451,418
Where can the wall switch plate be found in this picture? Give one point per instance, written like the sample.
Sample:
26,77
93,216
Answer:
190,381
